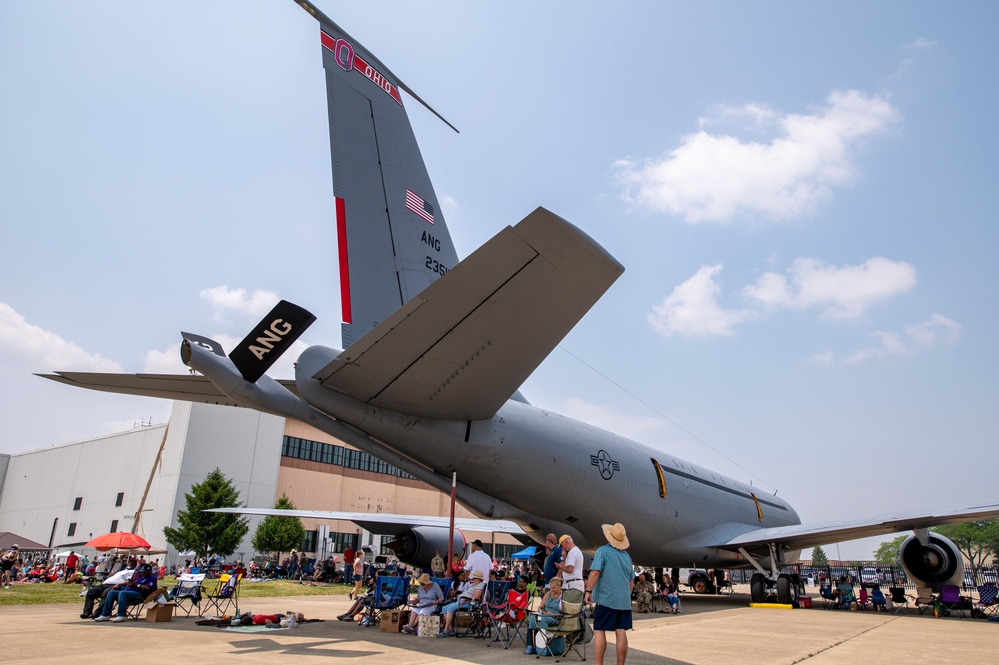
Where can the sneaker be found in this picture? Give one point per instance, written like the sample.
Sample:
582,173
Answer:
530,651
407,629
119,619
85,616
101,617
344,617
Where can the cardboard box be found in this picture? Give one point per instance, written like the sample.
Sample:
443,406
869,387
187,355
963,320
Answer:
392,622
160,612
806,602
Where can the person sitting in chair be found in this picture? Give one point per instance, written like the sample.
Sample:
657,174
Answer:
643,593
878,600
428,599
472,594
672,593
135,590
551,608
844,593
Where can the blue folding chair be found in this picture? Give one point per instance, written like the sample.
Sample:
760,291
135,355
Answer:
387,594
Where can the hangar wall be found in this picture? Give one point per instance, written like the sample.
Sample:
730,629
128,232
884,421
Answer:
40,489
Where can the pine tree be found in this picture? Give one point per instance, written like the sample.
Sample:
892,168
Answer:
204,533
819,558
278,533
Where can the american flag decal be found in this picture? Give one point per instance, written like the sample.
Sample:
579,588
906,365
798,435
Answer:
419,206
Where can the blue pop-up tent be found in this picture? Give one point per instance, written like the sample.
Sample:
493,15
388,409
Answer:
526,553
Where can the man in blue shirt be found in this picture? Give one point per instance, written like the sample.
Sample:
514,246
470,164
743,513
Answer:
141,584
553,559
609,585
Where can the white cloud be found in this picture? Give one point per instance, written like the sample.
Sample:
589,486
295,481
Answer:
919,44
715,178
913,337
239,301
845,292
448,205
22,341
692,309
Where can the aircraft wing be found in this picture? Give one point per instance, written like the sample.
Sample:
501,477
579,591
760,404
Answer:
803,536
465,344
385,523
184,387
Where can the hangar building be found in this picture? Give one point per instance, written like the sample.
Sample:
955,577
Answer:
136,481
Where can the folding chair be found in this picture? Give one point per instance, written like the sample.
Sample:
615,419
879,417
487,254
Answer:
987,600
508,617
571,627
829,601
899,599
951,601
924,600
480,626
187,593
863,601
445,585
388,593
225,597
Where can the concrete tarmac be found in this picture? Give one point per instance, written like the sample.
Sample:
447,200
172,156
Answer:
723,630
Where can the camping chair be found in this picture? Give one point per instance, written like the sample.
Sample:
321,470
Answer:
494,594
987,602
225,596
187,593
569,634
899,599
951,601
508,617
445,585
387,594
924,599
829,601
863,601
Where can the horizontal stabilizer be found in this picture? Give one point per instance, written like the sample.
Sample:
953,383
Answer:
183,387
466,343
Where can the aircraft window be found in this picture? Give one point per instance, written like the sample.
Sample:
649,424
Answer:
660,477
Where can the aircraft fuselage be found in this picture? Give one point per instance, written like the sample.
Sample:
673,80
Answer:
549,472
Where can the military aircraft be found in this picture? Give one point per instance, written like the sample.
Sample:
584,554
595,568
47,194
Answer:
435,350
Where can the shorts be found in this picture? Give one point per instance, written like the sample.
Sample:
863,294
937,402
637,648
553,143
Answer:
357,578
605,618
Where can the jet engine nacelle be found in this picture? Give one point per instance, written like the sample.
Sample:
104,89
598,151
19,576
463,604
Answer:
937,563
417,546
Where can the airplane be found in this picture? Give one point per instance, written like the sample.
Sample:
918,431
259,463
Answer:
436,349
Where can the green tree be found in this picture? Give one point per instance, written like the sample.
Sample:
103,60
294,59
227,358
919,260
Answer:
279,533
974,539
888,552
819,558
201,532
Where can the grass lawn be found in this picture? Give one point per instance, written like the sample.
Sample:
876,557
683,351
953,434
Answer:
39,594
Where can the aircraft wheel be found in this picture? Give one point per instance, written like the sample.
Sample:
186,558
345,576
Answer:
700,585
758,587
787,592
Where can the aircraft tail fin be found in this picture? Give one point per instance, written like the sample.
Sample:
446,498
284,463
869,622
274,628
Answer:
391,235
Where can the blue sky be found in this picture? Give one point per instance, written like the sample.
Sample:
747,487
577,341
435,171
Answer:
801,194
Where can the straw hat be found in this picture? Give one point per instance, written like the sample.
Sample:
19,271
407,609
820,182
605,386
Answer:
478,575
424,579
616,535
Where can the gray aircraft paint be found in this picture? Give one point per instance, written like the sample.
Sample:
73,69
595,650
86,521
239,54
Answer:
392,252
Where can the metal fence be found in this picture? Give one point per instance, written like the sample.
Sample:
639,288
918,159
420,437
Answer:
869,573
